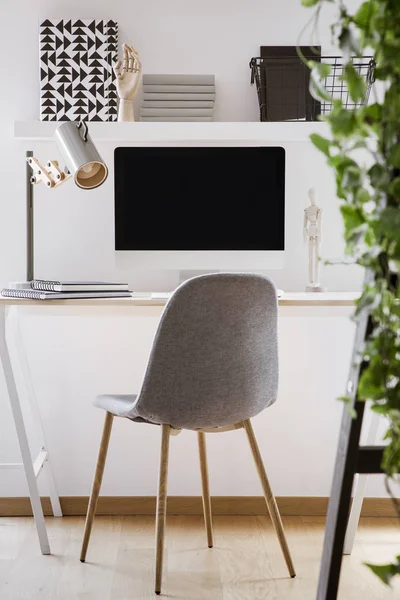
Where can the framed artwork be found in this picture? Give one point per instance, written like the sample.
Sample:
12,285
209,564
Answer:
77,81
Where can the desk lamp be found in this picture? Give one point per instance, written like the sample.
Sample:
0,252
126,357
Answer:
83,164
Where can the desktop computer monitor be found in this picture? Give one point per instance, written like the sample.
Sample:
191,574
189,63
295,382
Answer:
200,208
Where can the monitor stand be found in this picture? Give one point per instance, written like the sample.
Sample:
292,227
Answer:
187,274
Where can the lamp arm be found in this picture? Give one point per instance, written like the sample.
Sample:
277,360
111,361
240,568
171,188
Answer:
30,255
51,174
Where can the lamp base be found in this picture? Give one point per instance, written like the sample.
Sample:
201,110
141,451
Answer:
315,288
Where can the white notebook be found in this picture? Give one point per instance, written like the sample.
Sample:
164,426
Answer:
177,79
176,112
176,96
41,295
178,89
177,104
78,286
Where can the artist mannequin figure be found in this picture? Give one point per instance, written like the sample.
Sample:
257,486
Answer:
128,74
313,234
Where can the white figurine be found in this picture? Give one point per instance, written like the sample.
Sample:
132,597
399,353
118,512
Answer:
313,233
128,74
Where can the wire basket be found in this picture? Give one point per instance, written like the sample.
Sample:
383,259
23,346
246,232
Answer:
283,86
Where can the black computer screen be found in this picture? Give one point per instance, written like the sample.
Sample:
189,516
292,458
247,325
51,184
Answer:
199,198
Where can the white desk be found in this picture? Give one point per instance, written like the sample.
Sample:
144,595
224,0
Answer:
288,299
9,312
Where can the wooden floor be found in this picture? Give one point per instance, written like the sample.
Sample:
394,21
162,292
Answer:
246,562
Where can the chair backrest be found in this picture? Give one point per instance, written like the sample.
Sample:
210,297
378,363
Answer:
214,359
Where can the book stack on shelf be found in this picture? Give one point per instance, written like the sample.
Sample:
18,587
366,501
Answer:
40,289
178,98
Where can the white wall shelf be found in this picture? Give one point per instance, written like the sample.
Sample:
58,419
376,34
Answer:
253,132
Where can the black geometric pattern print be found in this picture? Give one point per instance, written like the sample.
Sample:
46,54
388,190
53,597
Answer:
76,76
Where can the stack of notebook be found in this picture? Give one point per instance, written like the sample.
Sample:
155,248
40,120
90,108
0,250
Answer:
40,289
178,98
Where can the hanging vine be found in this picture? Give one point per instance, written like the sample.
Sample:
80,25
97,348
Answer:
364,151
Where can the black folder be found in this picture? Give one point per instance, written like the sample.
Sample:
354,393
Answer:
285,84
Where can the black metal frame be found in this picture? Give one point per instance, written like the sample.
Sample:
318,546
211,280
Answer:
351,458
282,84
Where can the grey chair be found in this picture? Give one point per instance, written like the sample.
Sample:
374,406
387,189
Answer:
213,366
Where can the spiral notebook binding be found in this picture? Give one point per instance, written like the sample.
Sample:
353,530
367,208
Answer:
44,285
14,293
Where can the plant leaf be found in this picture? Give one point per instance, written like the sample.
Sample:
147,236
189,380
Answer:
381,571
355,83
368,387
379,408
348,402
319,72
389,224
378,175
348,44
318,91
352,219
362,196
390,220
368,300
309,3
394,187
394,156
321,143
351,177
343,122
371,113
386,572
365,13
323,69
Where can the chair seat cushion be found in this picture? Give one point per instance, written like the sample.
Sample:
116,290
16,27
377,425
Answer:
120,405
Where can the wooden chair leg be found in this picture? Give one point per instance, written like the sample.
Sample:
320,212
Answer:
98,476
161,505
269,497
205,487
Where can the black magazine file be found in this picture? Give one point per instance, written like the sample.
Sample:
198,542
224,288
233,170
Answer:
285,84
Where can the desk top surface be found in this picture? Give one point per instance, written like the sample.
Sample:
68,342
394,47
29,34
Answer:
288,299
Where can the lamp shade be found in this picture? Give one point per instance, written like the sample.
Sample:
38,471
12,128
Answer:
80,155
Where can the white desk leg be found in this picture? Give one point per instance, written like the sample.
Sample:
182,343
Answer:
361,484
23,363
22,437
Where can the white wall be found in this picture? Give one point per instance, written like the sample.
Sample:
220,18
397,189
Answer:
217,36
76,357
